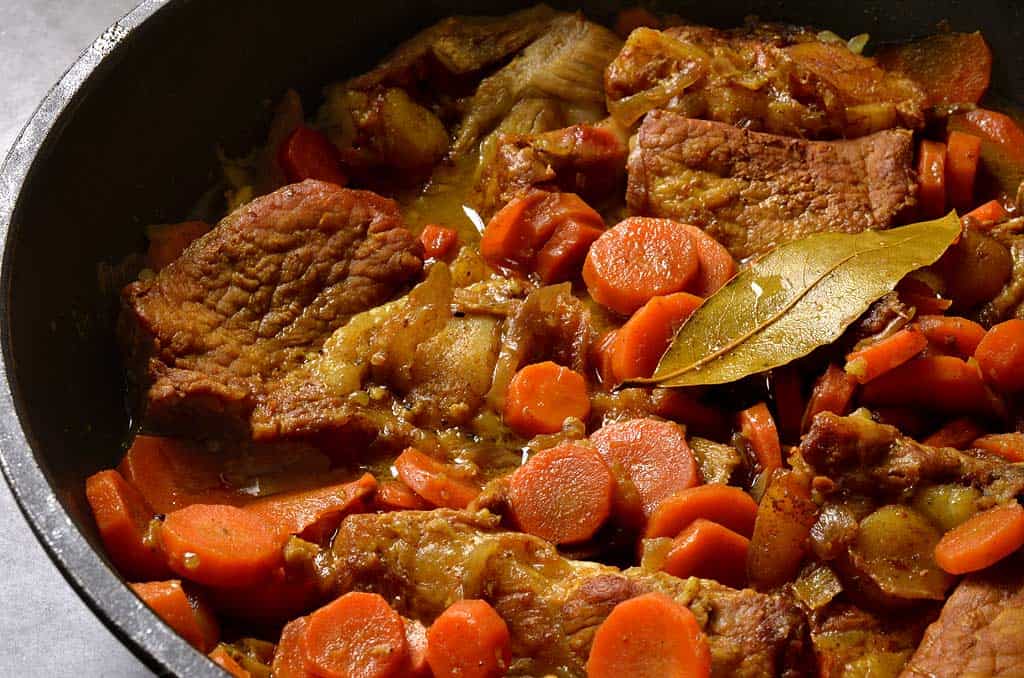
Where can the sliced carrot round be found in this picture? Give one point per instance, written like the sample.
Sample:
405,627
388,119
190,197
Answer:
1009,446
982,540
931,173
644,338
1000,355
289,655
438,241
782,530
652,454
723,504
469,640
394,495
220,545
123,516
709,551
563,254
638,259
950,333
540,397
356,636
563,494
416,639
188,615
650,636
717,266
433,480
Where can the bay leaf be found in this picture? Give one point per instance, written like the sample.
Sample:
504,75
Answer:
797,297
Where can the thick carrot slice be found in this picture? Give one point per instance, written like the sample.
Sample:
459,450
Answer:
123,517
982,540
758,427
950,333
709,551
562,255
540,397
290,655
416,639
953,68
313,513
436,482
541,504
650,636
1009,446
269,603
940,383
723,504
186,614
653,456
787,391
220,545
985,215
168,241
172,474
221,658
394,495
875,360
781,530
469,640
963,151
438,241
603,353
309,154
958,433
356,635
717,266
1002,146
832,392
644,338
1000,354
931,176
638,259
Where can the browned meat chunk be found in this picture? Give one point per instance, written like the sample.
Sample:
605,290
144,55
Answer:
248,301
425,561
980,631
752,191
768,79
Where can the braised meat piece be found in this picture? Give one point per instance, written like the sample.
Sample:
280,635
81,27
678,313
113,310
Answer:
424,561
784,81
980,631
249,300
752,191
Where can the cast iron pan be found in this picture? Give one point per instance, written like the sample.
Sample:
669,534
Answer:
127,138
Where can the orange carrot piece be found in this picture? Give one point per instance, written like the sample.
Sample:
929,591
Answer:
172,474
963,152
723,504
438,241
168,241
269,603
221,658
941,383
469,640
709,551
924,299
958,433
717,266
653,456
416,639
832,392
313,513
186,614
781,530
981,541
290,655
787,391
562,255
951,333
309,154
394,495
640,343
931,176
638,259
220,545
952,68
1009,446
1002,146
878,358
758,427
649,636
1000,354
540,504
434,481
985,215
540,397
603,352
356,635
123,517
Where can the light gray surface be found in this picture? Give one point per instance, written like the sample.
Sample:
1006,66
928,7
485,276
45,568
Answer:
45,630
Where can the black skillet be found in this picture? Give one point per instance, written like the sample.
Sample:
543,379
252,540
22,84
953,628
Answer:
127,138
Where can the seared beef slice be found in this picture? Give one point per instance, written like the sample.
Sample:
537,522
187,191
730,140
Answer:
249,300
752,191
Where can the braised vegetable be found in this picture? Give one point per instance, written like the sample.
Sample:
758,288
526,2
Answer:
123,518
185,613
758,427
781,530
982,540
642,340
435,482
723,504
1000,355
357,634
710,551
469,639
542,396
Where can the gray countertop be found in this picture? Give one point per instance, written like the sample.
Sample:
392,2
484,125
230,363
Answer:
45,630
